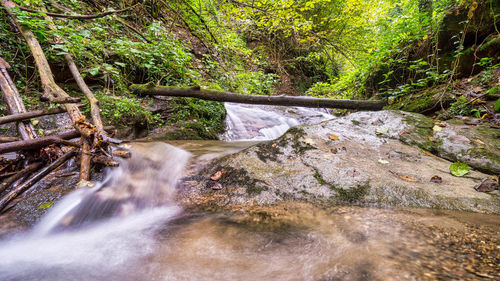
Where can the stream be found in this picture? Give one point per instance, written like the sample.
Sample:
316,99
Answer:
131,226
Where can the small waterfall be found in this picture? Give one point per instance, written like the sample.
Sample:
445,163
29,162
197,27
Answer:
103,227
146,180
262,122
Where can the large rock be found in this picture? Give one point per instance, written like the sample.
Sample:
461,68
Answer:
361,158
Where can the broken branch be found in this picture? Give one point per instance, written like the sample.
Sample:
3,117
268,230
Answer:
23,116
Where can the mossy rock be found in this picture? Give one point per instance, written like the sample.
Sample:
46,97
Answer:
428,102
191,131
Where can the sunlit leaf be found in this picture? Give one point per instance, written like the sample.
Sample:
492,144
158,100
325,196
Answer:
46,205
459,169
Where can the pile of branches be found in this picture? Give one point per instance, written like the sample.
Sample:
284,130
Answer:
38,156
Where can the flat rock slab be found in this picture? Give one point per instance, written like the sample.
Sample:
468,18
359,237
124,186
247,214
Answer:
361,158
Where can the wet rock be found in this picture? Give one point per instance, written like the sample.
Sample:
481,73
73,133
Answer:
486,185
306,164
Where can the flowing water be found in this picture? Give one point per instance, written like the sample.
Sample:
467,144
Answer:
130,227
251,122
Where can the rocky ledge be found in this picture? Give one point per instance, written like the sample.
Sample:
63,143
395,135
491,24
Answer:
383,158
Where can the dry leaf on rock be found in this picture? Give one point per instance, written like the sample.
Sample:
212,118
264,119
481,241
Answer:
216,176
436,179
333,137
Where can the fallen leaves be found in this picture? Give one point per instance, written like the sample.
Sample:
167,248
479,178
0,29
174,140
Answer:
216,176
437,128
486,185
381,131
333,137
459,169
405,177
436,179
408,178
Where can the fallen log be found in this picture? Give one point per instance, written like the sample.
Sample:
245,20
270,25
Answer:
32,114
4,201
33,144
8,139
14,102
20,174
196,92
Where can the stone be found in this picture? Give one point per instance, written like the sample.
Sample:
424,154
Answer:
305,164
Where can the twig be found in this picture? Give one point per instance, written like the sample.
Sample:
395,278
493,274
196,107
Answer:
32,114
28,170
82,17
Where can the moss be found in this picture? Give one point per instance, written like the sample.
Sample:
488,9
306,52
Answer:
237,177
420,135
182,134
298,146
140,89
268,151
352,194
426,102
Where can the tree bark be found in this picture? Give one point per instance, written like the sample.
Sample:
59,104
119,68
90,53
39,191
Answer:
32,114
196,92
4,201
95,112
8,139
14,102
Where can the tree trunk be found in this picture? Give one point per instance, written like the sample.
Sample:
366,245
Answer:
196,92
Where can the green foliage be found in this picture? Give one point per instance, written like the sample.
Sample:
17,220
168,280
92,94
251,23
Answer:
459,169
124,111
208,113
462,107
497,105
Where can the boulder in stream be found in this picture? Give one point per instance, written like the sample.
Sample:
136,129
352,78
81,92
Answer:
373,158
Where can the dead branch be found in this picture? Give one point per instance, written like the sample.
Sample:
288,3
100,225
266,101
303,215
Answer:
33,144
81,17
196,92
104,160
4,201
133,29
8,139
122,153
72,134
85,161
201,20
29,115
95,112
14,102
19,175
